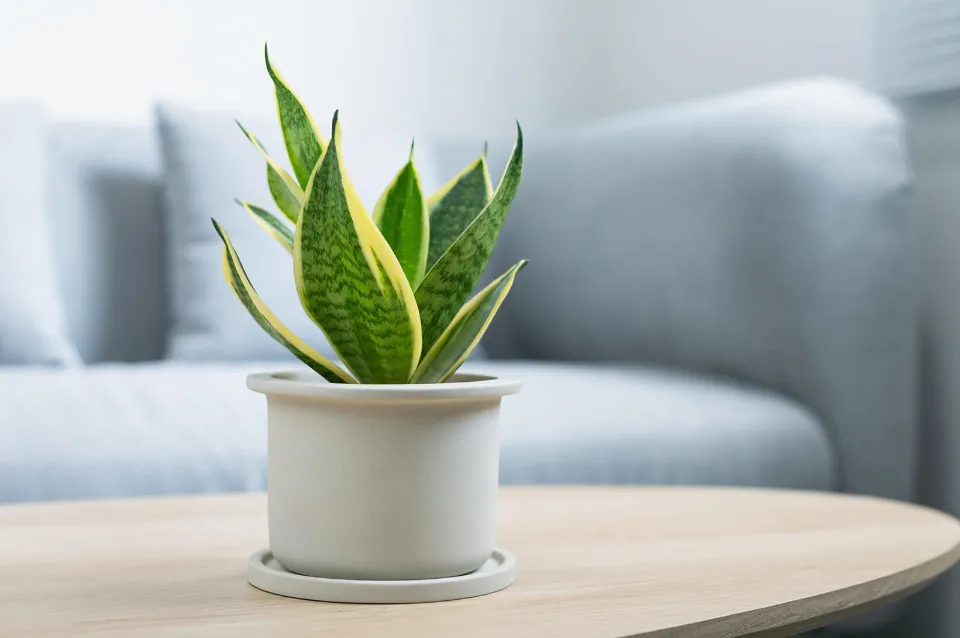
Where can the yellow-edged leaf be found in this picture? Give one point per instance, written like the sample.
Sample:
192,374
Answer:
301,136
275,227
238,281
449,282
465,330
350,282
456,205
286,192
401,215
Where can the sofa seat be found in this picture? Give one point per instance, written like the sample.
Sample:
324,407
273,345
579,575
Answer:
592,424
116,430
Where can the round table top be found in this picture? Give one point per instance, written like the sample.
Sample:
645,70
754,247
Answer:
593,563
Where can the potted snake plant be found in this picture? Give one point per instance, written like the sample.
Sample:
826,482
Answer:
384,466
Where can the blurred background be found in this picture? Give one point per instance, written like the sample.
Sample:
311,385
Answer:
465,70
478,63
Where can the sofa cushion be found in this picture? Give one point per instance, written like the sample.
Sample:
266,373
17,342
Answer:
32,322
172,428
114,430
597,424
103,198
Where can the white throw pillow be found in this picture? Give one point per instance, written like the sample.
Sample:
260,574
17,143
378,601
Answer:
207,163
32,322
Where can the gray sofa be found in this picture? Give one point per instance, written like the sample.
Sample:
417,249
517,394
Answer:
718,293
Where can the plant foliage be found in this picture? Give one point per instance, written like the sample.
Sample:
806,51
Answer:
392,290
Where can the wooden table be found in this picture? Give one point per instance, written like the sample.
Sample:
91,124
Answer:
593,563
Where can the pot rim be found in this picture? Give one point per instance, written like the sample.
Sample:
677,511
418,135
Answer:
307,384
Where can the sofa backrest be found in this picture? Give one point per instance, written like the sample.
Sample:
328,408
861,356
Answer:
104,204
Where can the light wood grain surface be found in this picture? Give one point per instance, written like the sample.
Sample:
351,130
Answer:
593,563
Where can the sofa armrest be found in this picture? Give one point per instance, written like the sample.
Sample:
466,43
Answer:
766,236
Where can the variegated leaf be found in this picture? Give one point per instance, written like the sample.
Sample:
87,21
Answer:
448,284
401,215
350,282
300,134
237,279
465,330
275,227
286,192
455,205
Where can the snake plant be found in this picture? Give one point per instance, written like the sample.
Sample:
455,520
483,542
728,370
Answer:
391,291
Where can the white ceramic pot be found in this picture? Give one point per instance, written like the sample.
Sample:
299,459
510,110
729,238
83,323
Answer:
382,482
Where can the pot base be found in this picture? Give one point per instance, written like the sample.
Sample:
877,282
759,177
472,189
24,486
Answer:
265,573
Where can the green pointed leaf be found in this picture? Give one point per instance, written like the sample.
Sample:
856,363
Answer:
448,284
465,330
287,199
275,227
237,278
286,192
401,215
350,282
300,134
456,205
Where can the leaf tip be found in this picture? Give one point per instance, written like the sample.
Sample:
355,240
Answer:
485,147
412,143
245,131
217,227
270,70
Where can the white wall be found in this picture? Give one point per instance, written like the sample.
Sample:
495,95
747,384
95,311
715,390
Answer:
678,49
110,59
415,64
420,65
